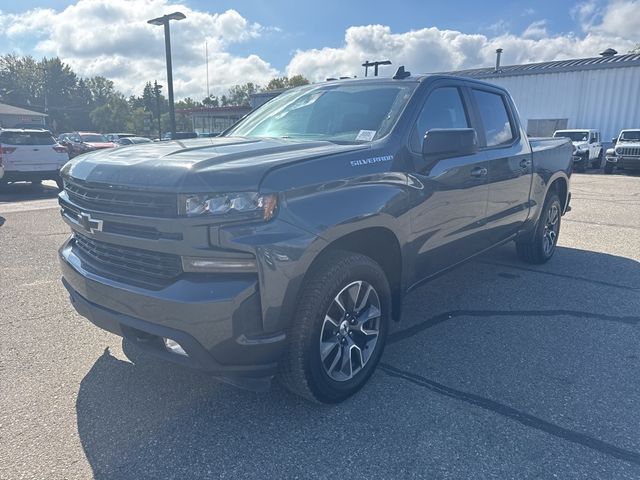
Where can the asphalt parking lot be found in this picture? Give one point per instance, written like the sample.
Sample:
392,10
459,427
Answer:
497,370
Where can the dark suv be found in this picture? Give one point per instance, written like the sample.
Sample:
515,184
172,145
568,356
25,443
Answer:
286,244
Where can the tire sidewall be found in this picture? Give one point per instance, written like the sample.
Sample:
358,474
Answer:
551,199
325,388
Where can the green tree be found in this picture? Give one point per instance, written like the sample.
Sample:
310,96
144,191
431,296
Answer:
286,82
240,94
112,116
635,49
211,101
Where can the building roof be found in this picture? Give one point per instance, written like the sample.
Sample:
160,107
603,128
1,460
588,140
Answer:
594,63
11,110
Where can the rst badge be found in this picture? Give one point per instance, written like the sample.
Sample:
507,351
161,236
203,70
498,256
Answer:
89,224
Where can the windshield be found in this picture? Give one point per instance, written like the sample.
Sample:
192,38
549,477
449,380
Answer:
94,137
630,136
574,136
27,138
344,113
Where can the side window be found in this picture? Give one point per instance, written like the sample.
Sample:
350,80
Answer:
493,111
443,109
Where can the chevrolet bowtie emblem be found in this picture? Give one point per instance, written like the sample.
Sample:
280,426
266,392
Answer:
89,224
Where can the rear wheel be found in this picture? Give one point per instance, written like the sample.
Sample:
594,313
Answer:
539,245
339,329
598,161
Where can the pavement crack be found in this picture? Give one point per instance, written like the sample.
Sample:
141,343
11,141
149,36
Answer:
523,418
561,275
443,317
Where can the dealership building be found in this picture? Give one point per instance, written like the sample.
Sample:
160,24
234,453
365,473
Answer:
214,119
11,116
601,92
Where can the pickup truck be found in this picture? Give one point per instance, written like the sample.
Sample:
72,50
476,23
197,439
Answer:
625,153
285,245
588,150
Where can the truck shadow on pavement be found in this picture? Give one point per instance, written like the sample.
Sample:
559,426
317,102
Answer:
22,191
502,361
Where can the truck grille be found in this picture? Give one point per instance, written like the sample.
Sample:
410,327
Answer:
126,262
119,201
631,151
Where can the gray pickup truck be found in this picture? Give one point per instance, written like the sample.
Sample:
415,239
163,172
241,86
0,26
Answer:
285,246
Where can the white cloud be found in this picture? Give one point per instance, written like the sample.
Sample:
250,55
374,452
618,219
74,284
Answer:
621,18
112,38
537,29
433,50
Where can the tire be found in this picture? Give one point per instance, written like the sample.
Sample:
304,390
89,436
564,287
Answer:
539,245
608,168
320,324
581,166
598,163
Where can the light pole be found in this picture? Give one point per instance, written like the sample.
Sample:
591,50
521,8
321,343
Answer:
164,20
375,66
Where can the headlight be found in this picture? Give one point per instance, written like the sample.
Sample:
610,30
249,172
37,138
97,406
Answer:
249,204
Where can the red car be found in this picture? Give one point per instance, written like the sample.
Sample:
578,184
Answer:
82,142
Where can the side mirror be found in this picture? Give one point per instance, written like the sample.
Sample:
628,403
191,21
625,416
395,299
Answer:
439,143
614,140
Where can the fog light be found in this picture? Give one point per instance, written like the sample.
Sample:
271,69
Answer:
203,264
174,347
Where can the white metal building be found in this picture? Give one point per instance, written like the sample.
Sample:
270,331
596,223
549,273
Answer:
601,93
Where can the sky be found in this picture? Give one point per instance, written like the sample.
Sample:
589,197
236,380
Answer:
255,40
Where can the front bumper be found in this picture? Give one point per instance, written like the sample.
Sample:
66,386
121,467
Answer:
629,163
210,317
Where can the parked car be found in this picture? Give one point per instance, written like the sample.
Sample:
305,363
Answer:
589,151
286,245
82,142
30,156
625,153
114,137
133,141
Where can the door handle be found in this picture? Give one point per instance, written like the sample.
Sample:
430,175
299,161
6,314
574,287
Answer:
479,172
525,163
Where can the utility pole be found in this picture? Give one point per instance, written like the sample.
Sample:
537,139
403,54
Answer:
206,54
375,66
156,89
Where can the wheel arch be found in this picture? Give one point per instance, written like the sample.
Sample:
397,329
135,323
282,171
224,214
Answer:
381,245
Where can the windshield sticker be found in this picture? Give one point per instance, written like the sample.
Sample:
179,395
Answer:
366,135
367,161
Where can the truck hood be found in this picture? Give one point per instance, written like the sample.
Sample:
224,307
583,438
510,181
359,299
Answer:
198,165
581,144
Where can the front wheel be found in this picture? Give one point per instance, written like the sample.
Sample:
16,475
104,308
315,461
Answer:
539,245
608,168
338,332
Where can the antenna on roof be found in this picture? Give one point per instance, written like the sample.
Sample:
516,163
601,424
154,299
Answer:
400,73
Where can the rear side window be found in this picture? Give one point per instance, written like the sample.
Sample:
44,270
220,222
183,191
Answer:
495,118
443,109
27,138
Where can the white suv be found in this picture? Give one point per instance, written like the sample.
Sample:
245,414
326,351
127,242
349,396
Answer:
587,145
30,155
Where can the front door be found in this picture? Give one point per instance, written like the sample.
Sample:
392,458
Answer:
449,197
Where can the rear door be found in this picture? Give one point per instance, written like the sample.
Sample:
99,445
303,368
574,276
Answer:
451,195
32,151
510,162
